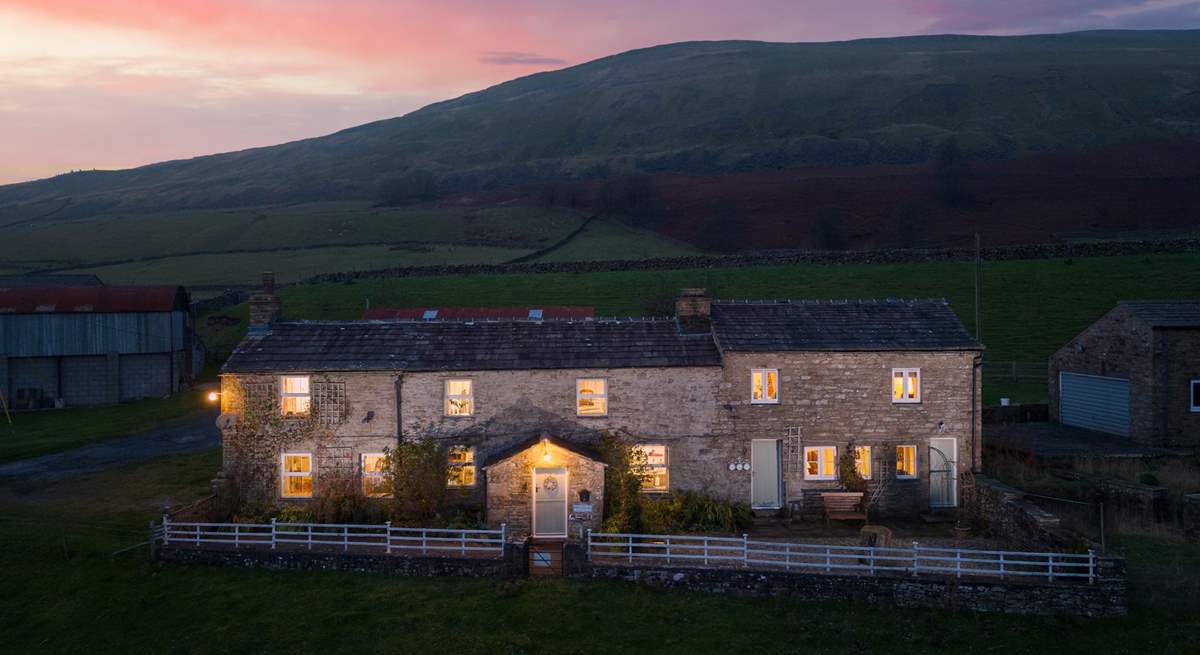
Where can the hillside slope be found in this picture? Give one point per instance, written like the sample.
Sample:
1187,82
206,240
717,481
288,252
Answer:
706,107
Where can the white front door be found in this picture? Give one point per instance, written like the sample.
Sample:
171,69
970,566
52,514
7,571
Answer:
943,472
765,482
549,502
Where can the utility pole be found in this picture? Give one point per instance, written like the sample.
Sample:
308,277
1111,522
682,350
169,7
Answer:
978,290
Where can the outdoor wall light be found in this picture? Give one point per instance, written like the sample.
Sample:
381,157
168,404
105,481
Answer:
545,450
214,396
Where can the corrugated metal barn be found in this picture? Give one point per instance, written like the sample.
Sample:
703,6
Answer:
64,346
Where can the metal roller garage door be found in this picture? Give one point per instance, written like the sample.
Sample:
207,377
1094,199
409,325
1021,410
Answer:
1094,403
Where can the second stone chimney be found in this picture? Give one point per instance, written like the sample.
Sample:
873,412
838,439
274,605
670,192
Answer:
264,306
693,311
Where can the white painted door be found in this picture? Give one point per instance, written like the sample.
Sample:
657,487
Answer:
943,472
549,502
765,483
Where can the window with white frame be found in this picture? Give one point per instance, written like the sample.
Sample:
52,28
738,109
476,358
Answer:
295,395
591,397
820,463
460,398
655,477
460,467
764,386
862,461
374,483
1196,395
906,462
296,475
906,385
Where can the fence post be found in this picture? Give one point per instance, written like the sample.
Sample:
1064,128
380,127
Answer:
1091,566
424,544
958,562
272,534
745,550
197,534
1001,565
668,549
1050,566
706,551
166,530
629,544
872,561
916,563
310,536
237,534
387,537
828,568
462,543
589,543
345,538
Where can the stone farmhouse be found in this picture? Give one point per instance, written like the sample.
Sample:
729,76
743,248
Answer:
754,401
1143,349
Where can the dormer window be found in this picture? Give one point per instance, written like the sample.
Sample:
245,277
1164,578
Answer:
906,385
764,386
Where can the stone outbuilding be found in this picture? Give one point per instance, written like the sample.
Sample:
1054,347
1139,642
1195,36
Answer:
1133,373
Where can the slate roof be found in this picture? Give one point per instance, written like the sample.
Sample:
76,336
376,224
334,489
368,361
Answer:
470,346
479,313
525,444
839,325
1165,313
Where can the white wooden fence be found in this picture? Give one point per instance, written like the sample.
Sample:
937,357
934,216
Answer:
369,537
726,552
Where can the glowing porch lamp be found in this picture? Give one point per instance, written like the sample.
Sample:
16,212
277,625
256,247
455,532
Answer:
214,396
545,449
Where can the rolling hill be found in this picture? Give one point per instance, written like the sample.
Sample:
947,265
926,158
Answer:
730,144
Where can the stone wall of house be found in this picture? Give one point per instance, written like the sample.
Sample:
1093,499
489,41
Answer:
1177,363
510,493
839,399
1117,345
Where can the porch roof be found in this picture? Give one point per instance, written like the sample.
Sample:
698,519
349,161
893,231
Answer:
521,446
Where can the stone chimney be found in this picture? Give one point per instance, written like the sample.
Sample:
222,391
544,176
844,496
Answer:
264,306
693,311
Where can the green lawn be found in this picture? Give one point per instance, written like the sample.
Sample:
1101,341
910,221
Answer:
1030,308
37,433
98,603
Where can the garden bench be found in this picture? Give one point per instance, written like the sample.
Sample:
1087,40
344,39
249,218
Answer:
843,506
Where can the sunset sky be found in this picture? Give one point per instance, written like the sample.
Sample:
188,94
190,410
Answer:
118,83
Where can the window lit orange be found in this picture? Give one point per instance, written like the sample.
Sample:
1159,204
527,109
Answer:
591,397
297,475
906,385
906,461
295,395
862,461
373,480
764,385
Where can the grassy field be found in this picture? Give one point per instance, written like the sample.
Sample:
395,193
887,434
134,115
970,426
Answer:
291,265
30,434
612,239
1030,308
97,603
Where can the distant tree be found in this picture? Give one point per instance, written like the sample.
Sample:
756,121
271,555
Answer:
411,186
954,171
829,229
633,196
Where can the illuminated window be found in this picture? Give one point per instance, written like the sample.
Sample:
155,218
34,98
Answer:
460,400
906,385
764,385
655,478
1196,395
373,481
295,395
591,397
862,461
820,463
297,475
460,467
906,461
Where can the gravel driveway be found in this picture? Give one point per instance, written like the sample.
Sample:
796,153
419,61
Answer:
182,435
